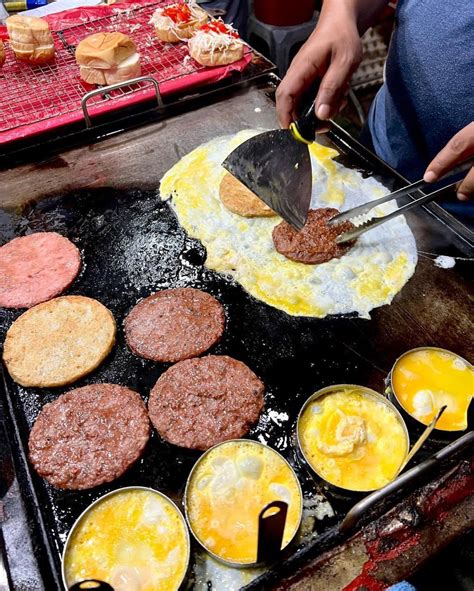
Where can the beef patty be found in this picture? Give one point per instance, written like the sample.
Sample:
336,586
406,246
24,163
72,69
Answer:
198,403
89,436
316,242
36,268
174,324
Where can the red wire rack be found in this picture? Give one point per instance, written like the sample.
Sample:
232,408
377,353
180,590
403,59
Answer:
39,98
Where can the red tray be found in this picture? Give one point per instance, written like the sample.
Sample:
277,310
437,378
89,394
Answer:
41,98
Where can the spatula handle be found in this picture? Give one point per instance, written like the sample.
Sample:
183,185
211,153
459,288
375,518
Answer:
305,128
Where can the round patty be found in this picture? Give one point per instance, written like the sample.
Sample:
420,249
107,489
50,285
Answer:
58,342
36,268
89,436
200,402
240,200
174,324
316,242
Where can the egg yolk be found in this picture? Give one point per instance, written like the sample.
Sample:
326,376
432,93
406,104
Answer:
424,381
135,540
353,440
228,490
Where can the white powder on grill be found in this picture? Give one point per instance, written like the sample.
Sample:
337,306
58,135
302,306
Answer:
445,262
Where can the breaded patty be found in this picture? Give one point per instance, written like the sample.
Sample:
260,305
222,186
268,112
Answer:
58,342
240,200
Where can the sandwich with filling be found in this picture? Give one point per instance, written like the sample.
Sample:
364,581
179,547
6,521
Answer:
107,58
179,21
216,44
30,39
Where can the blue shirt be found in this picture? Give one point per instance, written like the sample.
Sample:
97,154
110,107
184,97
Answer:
428,94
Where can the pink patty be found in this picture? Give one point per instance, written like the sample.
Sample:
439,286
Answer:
36,268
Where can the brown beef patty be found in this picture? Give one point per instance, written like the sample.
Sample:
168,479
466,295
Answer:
89,436
174,324
316,242
198,403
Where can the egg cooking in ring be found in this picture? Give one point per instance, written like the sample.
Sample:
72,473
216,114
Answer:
134,538
228,488
425,379
352,437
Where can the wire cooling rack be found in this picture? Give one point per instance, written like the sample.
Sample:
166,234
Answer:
36,98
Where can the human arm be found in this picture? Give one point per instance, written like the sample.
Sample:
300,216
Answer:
458,149
330,55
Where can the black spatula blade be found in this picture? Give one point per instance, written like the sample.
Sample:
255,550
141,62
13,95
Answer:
277,168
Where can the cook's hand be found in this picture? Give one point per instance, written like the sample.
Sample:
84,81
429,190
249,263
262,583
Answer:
331,55
458,149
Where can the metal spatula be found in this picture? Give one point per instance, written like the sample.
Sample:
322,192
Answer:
276,166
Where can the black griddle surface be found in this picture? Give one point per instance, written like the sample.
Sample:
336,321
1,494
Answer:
132,246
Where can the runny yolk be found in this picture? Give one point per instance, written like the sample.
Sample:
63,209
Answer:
353,439
423,381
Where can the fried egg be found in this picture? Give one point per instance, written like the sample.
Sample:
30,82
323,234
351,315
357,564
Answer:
424,380
134,539
368,276
228,489
352,439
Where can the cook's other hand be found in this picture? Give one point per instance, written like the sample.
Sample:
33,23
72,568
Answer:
330,56
458,149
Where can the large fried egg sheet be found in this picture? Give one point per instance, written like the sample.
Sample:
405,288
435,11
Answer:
367,277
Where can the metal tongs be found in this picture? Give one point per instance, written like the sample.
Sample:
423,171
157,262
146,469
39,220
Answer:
359,215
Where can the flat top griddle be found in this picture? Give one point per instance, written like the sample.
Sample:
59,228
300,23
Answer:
105,199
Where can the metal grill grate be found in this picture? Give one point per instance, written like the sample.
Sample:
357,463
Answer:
30,95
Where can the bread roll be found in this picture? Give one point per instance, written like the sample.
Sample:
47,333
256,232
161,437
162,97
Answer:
30,39
107,58
130,68
216,44
238,199
217,57
178,22
104,50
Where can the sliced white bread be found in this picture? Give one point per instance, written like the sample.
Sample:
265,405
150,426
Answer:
128,69
30,39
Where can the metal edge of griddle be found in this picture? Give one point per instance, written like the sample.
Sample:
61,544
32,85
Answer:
344,141
368,509
7,479
6,583
49,567
356,514
24,151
